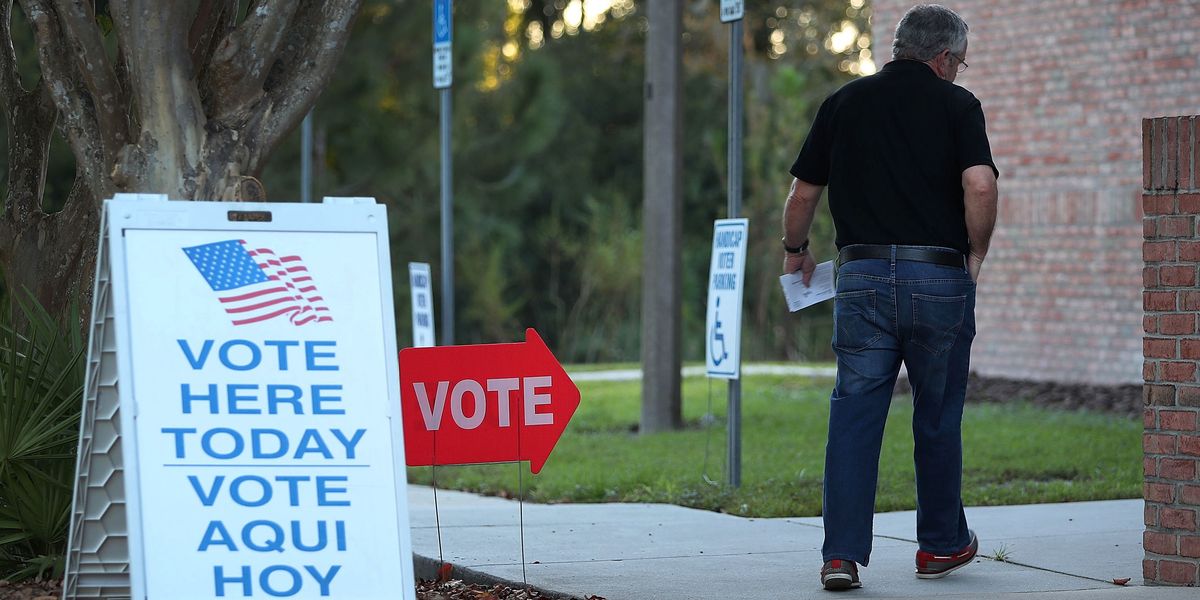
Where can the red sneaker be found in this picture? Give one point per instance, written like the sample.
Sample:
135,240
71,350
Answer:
840,574
935,566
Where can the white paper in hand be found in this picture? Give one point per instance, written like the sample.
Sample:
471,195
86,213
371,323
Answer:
819,289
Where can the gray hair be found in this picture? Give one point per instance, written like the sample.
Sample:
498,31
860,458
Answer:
927,29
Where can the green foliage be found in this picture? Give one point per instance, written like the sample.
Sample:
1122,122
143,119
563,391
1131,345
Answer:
41,387
547,145
1013,453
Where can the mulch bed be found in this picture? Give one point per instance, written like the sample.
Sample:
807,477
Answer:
1123,400
452,589
31,590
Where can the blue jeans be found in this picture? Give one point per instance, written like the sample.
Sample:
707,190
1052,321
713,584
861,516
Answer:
888,311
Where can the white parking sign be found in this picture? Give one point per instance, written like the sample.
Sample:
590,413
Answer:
723,329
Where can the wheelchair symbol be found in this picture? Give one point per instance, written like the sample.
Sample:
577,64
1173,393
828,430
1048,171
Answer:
717,336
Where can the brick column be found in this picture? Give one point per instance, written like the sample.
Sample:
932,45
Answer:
1171,349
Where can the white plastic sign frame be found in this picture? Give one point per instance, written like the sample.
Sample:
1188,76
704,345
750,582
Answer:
263,454
723,322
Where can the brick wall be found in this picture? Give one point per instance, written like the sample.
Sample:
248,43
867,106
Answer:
1064,86
1171,347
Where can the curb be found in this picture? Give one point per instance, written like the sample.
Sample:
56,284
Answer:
427,568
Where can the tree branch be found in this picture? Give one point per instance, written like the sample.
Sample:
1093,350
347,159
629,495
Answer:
61,79
167,103
79,24
243,58
312,49
10,80
214,20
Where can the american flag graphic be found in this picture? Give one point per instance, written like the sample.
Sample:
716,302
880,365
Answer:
254,284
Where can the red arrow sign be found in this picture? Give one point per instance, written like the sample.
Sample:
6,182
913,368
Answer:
484,403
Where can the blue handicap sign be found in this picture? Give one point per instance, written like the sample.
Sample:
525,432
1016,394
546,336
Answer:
441,22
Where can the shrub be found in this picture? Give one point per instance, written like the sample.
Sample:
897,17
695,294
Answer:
41,390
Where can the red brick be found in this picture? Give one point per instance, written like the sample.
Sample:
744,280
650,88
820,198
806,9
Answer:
1147,137
1148,371
1159,492
1172,154
1153,443
1189,349
1173,571
1149,569
1160,543
1177,420
1176,227
1150,277
1177,324
1176,276
1189,251
1189,300
1159,348
1190,494
1149,228
1189,396
1158,204
1150,515
1150,467
1148,418
1178,469
1181,372
1158,251
1189,545
1159,395
1189,203
1160,301
1189,445
1177,518
1150,324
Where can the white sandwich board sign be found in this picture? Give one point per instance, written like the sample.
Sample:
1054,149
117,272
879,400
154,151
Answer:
723,323
241,432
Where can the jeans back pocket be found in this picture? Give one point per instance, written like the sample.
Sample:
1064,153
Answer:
937,320
854,326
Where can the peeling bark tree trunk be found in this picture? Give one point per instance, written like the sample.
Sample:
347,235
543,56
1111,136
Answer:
192,104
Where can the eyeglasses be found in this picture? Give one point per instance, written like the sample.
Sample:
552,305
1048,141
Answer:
962,64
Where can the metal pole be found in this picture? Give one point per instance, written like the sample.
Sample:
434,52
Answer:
735,207
447,226
306,152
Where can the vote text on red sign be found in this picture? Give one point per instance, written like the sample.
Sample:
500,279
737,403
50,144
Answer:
484,403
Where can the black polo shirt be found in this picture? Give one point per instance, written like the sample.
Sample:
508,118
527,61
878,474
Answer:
891,147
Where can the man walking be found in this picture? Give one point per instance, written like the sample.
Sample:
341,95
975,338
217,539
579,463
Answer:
912,191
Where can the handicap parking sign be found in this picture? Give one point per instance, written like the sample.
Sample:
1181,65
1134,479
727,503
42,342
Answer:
723,325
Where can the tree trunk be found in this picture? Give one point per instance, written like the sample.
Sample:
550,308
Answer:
193,104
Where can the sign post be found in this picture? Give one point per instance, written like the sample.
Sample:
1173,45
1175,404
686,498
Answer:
422,304
443,78
732,12
723,339
241,428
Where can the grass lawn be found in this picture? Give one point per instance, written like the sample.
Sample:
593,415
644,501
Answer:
1013,454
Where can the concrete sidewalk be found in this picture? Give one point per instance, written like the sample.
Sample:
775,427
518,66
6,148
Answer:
655,551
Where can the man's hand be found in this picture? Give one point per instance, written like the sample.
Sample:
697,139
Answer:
974,264
803,262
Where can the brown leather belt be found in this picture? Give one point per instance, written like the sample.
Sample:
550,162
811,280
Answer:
925,255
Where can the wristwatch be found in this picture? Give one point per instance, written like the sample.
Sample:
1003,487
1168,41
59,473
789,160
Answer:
801,249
